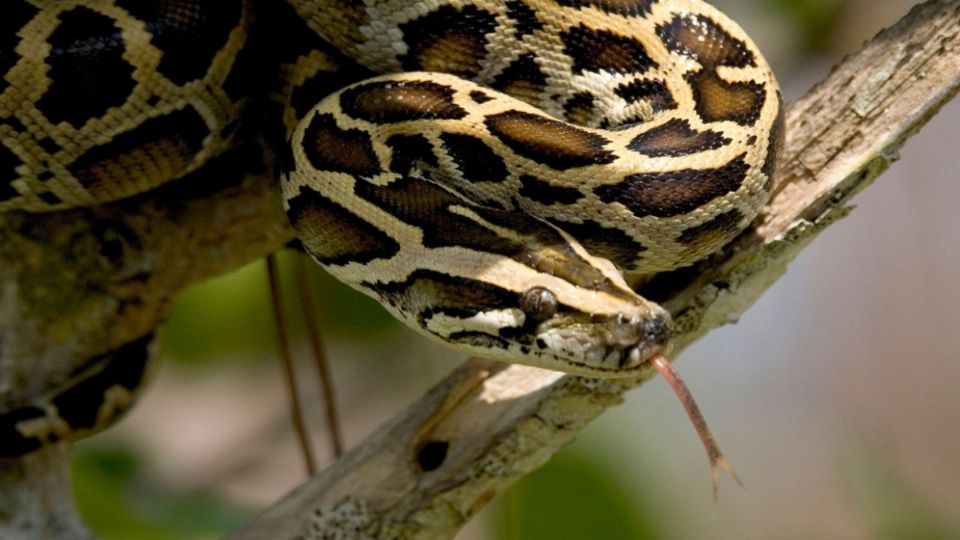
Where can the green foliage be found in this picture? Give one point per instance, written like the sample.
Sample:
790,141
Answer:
816,19
221,317
116,501
891,508
346,312
232,314
576,495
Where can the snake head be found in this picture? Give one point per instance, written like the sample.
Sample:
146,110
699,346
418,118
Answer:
562,328
607,344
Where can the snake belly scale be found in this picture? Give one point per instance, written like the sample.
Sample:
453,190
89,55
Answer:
491,171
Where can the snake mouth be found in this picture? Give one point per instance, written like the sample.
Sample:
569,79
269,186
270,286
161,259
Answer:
635,357
653,337
631,358
608,346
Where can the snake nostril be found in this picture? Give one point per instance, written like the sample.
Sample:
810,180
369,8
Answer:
657,329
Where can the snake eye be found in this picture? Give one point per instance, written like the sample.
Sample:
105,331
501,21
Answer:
539,303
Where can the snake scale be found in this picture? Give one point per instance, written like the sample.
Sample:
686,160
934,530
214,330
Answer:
493,172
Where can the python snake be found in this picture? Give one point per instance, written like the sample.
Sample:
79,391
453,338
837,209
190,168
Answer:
491,171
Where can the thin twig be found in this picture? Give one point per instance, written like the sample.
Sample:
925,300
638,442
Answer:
315,338
286,358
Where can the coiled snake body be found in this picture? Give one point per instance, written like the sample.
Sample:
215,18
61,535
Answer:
492,187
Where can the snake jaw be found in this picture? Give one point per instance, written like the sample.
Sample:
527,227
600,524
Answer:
604,346
630,330
631,358
651,336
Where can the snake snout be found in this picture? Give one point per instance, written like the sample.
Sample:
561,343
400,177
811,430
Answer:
632,329
658,329
641,338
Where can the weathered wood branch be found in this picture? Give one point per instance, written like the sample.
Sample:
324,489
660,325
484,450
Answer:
77,284
427,471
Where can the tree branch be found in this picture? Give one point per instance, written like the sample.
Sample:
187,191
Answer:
428,470
78,284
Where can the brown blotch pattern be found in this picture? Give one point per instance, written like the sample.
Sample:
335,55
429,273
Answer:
87,70
427,206
677,192
155,151
476,161
599,50
389,102
480,97
188,33
522,79
713,232
629,8
555,144
410,152
718,100
524,17
340,20
334,235
653,92
580,108
337,72
84,405
676,138
330,148
705,41
15,443
448,40
80,405
543,192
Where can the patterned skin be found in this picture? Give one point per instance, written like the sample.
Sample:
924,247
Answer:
491,187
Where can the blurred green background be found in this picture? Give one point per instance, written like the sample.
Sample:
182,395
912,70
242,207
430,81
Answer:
835,398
